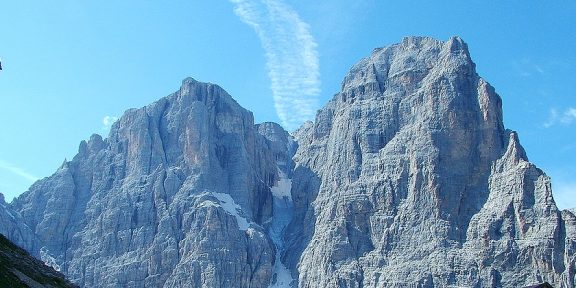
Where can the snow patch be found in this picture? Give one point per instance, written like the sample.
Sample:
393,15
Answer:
253,233
232,208
208,203
48,259
283,187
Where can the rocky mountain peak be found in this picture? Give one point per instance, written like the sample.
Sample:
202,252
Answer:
411,60
515,152
94,144
176,180
406,178
422,155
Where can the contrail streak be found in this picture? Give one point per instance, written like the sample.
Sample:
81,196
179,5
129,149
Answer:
17,171
291,57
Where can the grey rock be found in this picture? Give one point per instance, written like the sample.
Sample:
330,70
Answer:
283,146
13,227
175,197
407,178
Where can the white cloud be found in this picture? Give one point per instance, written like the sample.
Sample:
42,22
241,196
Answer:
291,57
566,117
552,118
527,68
17,171
107,121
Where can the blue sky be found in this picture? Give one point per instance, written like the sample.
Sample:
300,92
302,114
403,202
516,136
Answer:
68,64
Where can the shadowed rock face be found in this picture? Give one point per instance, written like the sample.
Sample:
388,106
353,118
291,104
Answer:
407,178
20,269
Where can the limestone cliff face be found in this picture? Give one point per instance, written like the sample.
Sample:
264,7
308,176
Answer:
174,197
406,178
13,226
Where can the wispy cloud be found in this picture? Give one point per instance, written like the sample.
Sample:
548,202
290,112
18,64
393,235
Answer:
566,117
291,57
528,68
569,116
17,171
552,118
107,122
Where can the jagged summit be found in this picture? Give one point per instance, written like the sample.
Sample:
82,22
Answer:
175,181
406,178
416,54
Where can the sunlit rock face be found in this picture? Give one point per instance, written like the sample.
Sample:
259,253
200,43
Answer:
174,197
406,178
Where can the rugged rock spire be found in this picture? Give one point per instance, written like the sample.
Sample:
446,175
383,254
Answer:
408,178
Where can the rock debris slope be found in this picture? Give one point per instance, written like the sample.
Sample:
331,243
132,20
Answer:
407,178
20,269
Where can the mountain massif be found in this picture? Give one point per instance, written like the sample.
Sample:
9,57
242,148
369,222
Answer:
406,178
